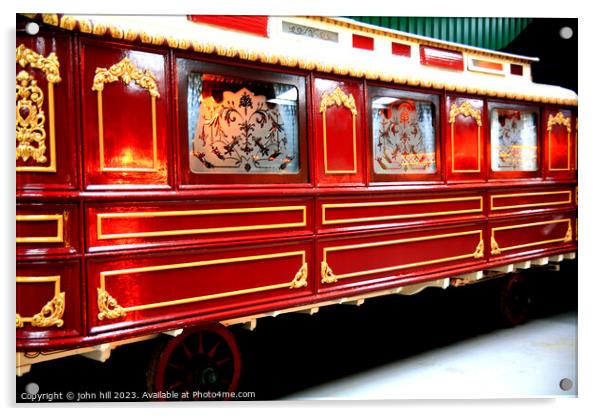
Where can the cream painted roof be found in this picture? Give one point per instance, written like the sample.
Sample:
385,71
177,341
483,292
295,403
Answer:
289,50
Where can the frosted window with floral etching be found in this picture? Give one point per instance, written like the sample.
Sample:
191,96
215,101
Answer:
403,136
513,140
238,126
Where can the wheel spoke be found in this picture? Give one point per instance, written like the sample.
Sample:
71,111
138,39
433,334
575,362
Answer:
221,362
174,385
213,350
200,348
187,352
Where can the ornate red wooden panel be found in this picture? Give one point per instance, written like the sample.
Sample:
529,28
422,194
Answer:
125,117
381,211
116,226
559,143
465,139
47,151
512,201
339,131
352,260
47,229
527,235
48,299
143,289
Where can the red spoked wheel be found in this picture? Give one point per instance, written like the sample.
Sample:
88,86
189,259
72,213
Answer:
515,300
200,364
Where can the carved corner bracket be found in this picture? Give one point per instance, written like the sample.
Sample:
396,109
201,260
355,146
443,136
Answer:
50,315
495,248
480,250
108,306
300,279
328,275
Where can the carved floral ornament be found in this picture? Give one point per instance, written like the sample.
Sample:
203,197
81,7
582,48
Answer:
127,72
30,117
50,315
466,110
52,312
559,118
339,98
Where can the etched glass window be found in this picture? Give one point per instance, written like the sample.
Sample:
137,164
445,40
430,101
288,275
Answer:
240,126
513,140
403,136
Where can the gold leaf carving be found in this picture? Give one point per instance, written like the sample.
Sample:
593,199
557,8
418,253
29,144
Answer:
108,306
339,98
495,249
51,313
559,118
49,65
19,321
300,279
127,72
467,110
30,119
480,250
328,275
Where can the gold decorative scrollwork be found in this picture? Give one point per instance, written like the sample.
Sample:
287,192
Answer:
328,275
339,98
30,117
300,279
559,118
465,109
495,248
49,65
108,306
480,250
51,313
128,72
569,234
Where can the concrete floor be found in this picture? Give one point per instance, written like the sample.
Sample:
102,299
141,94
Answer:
525,361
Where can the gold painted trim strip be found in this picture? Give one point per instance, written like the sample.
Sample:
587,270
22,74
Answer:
563,121
535,204
59,228
466,110
499,250
287,284
101,236
50,66
338,98
400,216
52,312
326,250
